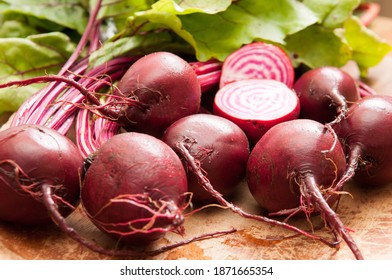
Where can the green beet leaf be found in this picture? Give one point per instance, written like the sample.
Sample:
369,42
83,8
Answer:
22,58
218,34
49,14
368,49
332,13
317,46
191,6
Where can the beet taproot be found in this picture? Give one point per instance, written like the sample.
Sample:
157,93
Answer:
32,156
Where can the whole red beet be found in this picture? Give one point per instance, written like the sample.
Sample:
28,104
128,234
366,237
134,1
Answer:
32,156
296,165
365,137
325,93
167,89
220,147
134,188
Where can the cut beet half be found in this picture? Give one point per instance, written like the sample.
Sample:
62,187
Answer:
258,60
256,105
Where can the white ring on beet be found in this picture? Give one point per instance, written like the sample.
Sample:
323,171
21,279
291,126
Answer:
258,60
256,105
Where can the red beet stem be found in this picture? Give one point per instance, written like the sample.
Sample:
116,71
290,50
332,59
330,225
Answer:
311,190
352,165
193,165
340,103
33,108
84,39
208,73
72,233
365,89
368,12
103,109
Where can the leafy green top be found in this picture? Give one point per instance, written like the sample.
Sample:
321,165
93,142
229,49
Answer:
37,36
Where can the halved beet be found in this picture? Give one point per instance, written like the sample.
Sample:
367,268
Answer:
258,60
256,105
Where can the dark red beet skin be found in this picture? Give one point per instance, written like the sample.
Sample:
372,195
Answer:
134,189
325,92
45,157
365,136
221,148
167,88
293,166
288,152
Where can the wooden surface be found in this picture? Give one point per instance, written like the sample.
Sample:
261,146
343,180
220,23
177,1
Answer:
368,213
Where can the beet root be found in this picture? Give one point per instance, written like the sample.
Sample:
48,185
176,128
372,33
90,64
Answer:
185,148
135,188
296,165
326,93
220,147
135,191
32,156
364,134
166,88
